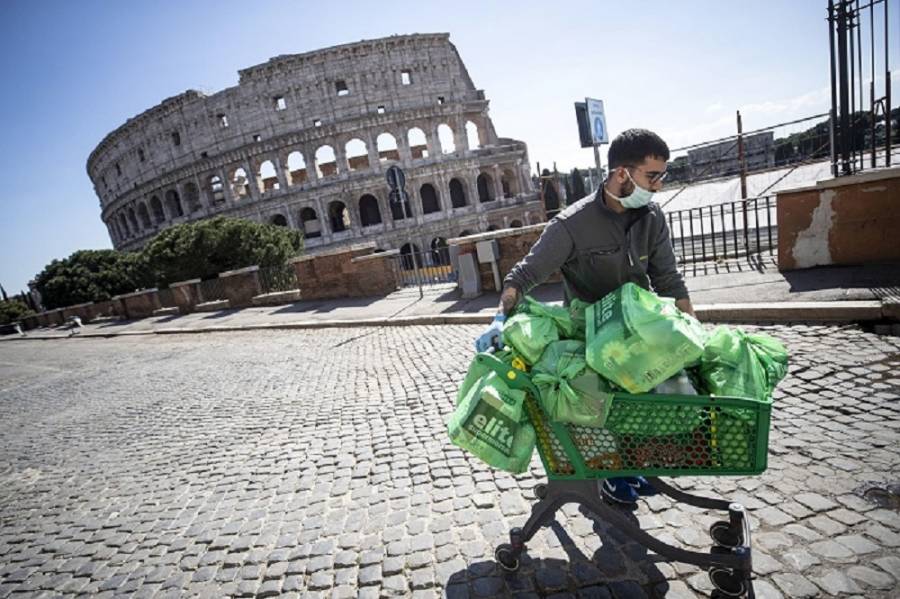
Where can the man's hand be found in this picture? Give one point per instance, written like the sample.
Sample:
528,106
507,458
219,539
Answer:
685,306
492,336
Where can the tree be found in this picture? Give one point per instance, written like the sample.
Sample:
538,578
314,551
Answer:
90,275
13,310
3,293
205,248
578,189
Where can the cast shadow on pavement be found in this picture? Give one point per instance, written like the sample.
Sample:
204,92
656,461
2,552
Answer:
323,306
843,277
222,313
619,568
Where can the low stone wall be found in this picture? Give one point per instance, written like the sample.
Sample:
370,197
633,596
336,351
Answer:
31,322
241,286
83,311
139,304
514,244
186,294
351,272
847,220
106,308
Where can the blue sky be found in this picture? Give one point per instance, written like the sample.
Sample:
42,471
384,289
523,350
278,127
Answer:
74,71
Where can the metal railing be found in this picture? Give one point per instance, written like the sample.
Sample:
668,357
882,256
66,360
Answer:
273,279
212,290
423,268
723,231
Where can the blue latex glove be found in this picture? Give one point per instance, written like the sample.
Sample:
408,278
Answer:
492,336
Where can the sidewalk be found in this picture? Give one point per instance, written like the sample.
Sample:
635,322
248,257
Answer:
739,291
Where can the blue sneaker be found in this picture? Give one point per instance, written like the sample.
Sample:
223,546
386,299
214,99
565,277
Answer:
641,486
618,490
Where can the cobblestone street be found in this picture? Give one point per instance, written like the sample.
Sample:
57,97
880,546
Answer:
317,463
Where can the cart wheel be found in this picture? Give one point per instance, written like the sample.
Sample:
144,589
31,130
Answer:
722,534
506,557
727,582
540,491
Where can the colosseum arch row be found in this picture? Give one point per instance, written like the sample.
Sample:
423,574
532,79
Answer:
431,197
302,131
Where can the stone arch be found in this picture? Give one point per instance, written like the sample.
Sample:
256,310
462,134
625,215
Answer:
215,189
369,212
508,183
472,135
192,196
515,224
338,216
440,253
239,183
493,228
132,219
173,203
326,163
387,148
418,143
267,177
401,210
278,220
144,216
123,223
310,223
156,208
457,193
430,202
296,168
357,154
445,137
408,253
485,188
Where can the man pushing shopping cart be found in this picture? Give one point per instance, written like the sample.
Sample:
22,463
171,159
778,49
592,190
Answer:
600,386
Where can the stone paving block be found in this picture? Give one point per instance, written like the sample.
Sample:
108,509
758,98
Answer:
795,585
223,472
858,544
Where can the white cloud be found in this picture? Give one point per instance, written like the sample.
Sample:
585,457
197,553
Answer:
714,107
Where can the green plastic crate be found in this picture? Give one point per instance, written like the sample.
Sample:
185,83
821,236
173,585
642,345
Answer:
651,435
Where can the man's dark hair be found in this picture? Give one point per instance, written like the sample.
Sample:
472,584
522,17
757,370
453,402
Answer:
631,147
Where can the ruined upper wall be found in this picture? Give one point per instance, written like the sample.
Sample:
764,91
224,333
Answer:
286,94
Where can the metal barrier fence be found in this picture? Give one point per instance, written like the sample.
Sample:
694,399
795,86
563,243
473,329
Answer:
727,230
431,267
273,279
212,290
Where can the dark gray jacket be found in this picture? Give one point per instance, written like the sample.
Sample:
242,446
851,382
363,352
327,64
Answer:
598,251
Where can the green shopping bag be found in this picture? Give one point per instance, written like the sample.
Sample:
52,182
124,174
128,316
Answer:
740,364
577,309
569,390
560,315
489,421
529,334
637,339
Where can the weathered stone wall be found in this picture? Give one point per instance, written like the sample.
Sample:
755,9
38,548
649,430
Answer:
186,294
241,286
250,151
352,272
139,304
514,244
848,220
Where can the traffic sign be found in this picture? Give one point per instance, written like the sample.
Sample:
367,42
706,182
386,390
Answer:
597,120
395,177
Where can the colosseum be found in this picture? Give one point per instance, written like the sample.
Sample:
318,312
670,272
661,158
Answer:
304,140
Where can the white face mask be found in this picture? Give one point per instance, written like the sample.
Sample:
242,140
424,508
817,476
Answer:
638,198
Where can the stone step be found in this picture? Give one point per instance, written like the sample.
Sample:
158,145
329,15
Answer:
213,306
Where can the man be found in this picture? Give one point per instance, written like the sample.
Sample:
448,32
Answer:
602,242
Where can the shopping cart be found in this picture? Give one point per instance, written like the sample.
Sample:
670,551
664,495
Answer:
648,435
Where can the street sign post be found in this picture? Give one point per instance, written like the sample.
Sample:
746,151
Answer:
596,117
396,180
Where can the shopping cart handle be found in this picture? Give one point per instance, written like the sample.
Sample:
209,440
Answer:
515,379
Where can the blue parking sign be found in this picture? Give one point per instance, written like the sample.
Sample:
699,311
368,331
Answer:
597,119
